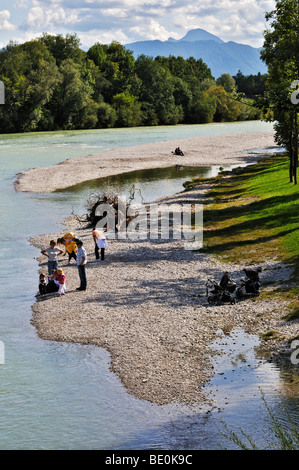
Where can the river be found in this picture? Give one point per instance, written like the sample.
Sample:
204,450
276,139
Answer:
62,396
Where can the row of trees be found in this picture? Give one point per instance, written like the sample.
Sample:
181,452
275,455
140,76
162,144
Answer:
281,54
51,83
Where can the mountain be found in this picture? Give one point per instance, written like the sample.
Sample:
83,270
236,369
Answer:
221,57
200,35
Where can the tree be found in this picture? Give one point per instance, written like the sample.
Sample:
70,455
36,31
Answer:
128,110
227,81
30,76
281,53
202,109
50,84
227,109
71,101
157,91
63,48
250,85
106,115
116,63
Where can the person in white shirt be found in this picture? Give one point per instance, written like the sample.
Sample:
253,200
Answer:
52,253
100,243
81,262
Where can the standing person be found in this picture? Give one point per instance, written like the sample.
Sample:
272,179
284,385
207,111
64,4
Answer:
81,262
100,243
52,253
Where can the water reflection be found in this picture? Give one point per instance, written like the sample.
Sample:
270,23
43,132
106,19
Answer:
154,183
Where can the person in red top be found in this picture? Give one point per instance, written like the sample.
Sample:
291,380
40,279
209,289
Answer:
60,281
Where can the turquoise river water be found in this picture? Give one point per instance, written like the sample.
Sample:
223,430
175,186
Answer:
63,396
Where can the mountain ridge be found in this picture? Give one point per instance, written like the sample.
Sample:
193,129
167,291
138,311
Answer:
221,57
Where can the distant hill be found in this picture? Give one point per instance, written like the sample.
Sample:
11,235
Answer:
220,56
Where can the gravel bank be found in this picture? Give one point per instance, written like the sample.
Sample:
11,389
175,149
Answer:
146,305
226,149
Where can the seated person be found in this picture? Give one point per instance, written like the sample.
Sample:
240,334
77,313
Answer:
42,285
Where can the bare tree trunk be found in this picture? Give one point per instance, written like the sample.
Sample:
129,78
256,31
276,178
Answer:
291,157
295,148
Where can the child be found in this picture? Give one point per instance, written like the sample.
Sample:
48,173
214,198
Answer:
52,287
70,246
60,282
42,284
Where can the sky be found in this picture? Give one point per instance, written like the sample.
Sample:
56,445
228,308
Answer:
129,21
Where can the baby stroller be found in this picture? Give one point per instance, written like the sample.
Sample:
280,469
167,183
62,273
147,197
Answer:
224,292
250,286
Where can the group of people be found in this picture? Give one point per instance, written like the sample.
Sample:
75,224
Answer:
75,250
56,282
178,151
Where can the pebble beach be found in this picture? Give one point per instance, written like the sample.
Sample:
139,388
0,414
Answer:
146,302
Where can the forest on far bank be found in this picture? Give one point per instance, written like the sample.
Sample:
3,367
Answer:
52,84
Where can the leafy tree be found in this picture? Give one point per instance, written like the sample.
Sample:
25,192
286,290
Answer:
30,76
106,115
128,110
202,109
51,83
251,85
71,100
227,81
281,53
157,90
117,66
227,109
63,48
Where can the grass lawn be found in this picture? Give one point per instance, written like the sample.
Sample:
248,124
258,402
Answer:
254,216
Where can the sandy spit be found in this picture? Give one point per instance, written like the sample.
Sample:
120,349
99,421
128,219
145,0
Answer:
225,149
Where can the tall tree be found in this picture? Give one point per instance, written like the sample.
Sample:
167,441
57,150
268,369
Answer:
30,76
117,66
71,100
281,54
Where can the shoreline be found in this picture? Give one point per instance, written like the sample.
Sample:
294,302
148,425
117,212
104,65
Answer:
222,149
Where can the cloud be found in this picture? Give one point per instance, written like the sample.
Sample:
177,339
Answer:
134,20
5,25
43,18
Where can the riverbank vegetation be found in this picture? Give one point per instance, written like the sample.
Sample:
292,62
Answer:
52,84
284,430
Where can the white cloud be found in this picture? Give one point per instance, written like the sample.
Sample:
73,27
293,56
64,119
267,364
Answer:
5,25
135,20
151,30
43,18
21,4
88,39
